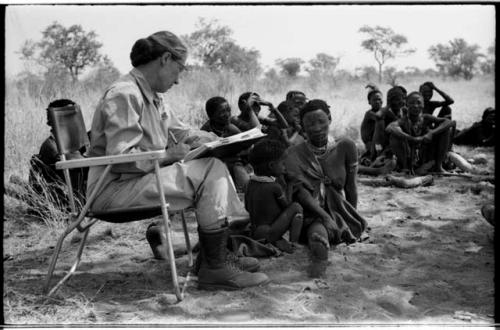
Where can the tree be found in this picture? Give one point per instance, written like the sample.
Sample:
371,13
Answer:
71,48
366,72
391,75
457,58
104,73
385,45
412,71
212,45
290,66
323,64
488,65
238,59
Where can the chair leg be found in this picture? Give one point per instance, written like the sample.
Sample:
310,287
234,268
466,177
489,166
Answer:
188,242
169,248
55,256
171,258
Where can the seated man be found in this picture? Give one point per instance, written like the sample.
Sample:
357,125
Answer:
43,174
219,115
395,108
367,129
480,134
415,143
250,104
426,89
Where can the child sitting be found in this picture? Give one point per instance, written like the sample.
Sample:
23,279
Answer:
219,113
296,99
271,214
293,134
43,175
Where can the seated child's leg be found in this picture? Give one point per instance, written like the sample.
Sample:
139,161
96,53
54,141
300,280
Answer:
439,148
387,167
445,112
296,224
284,221
401,149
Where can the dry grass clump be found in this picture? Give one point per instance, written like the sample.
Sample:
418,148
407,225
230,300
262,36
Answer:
47,203
33,308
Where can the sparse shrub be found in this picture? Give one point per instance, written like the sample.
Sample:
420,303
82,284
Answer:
47,202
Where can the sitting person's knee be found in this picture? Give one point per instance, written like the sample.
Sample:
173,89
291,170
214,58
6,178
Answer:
296,207
262,232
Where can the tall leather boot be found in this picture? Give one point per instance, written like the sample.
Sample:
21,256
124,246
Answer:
216,271
155,240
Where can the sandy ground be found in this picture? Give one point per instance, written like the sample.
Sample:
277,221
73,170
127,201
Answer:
429,259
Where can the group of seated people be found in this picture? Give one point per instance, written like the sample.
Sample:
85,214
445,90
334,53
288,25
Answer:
298,179
405,135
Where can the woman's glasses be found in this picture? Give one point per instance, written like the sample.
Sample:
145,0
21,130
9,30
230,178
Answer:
183,67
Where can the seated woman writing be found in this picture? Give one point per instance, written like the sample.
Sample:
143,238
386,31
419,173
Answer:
322,175
417,145
131,117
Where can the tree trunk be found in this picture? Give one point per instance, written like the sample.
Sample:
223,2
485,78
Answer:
380,73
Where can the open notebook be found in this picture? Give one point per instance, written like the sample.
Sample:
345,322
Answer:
229,146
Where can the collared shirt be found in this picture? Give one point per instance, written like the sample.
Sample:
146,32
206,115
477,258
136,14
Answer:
131,118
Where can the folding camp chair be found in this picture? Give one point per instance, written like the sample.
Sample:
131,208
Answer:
69,131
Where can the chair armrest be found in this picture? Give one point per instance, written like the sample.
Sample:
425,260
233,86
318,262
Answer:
115,159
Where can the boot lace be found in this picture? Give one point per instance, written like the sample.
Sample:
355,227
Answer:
232,261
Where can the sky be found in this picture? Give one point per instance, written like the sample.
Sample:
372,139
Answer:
277,31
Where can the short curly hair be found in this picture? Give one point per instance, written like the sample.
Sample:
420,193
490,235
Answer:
212,104
243,97
314,105
265,151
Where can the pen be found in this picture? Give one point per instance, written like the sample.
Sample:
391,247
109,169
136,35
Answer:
172,136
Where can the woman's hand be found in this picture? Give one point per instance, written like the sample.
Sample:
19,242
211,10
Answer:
177,152
200,137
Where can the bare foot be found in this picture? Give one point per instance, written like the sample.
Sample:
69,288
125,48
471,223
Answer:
488,213
439,169
319,246
425,168
388,167
153,235
317,268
